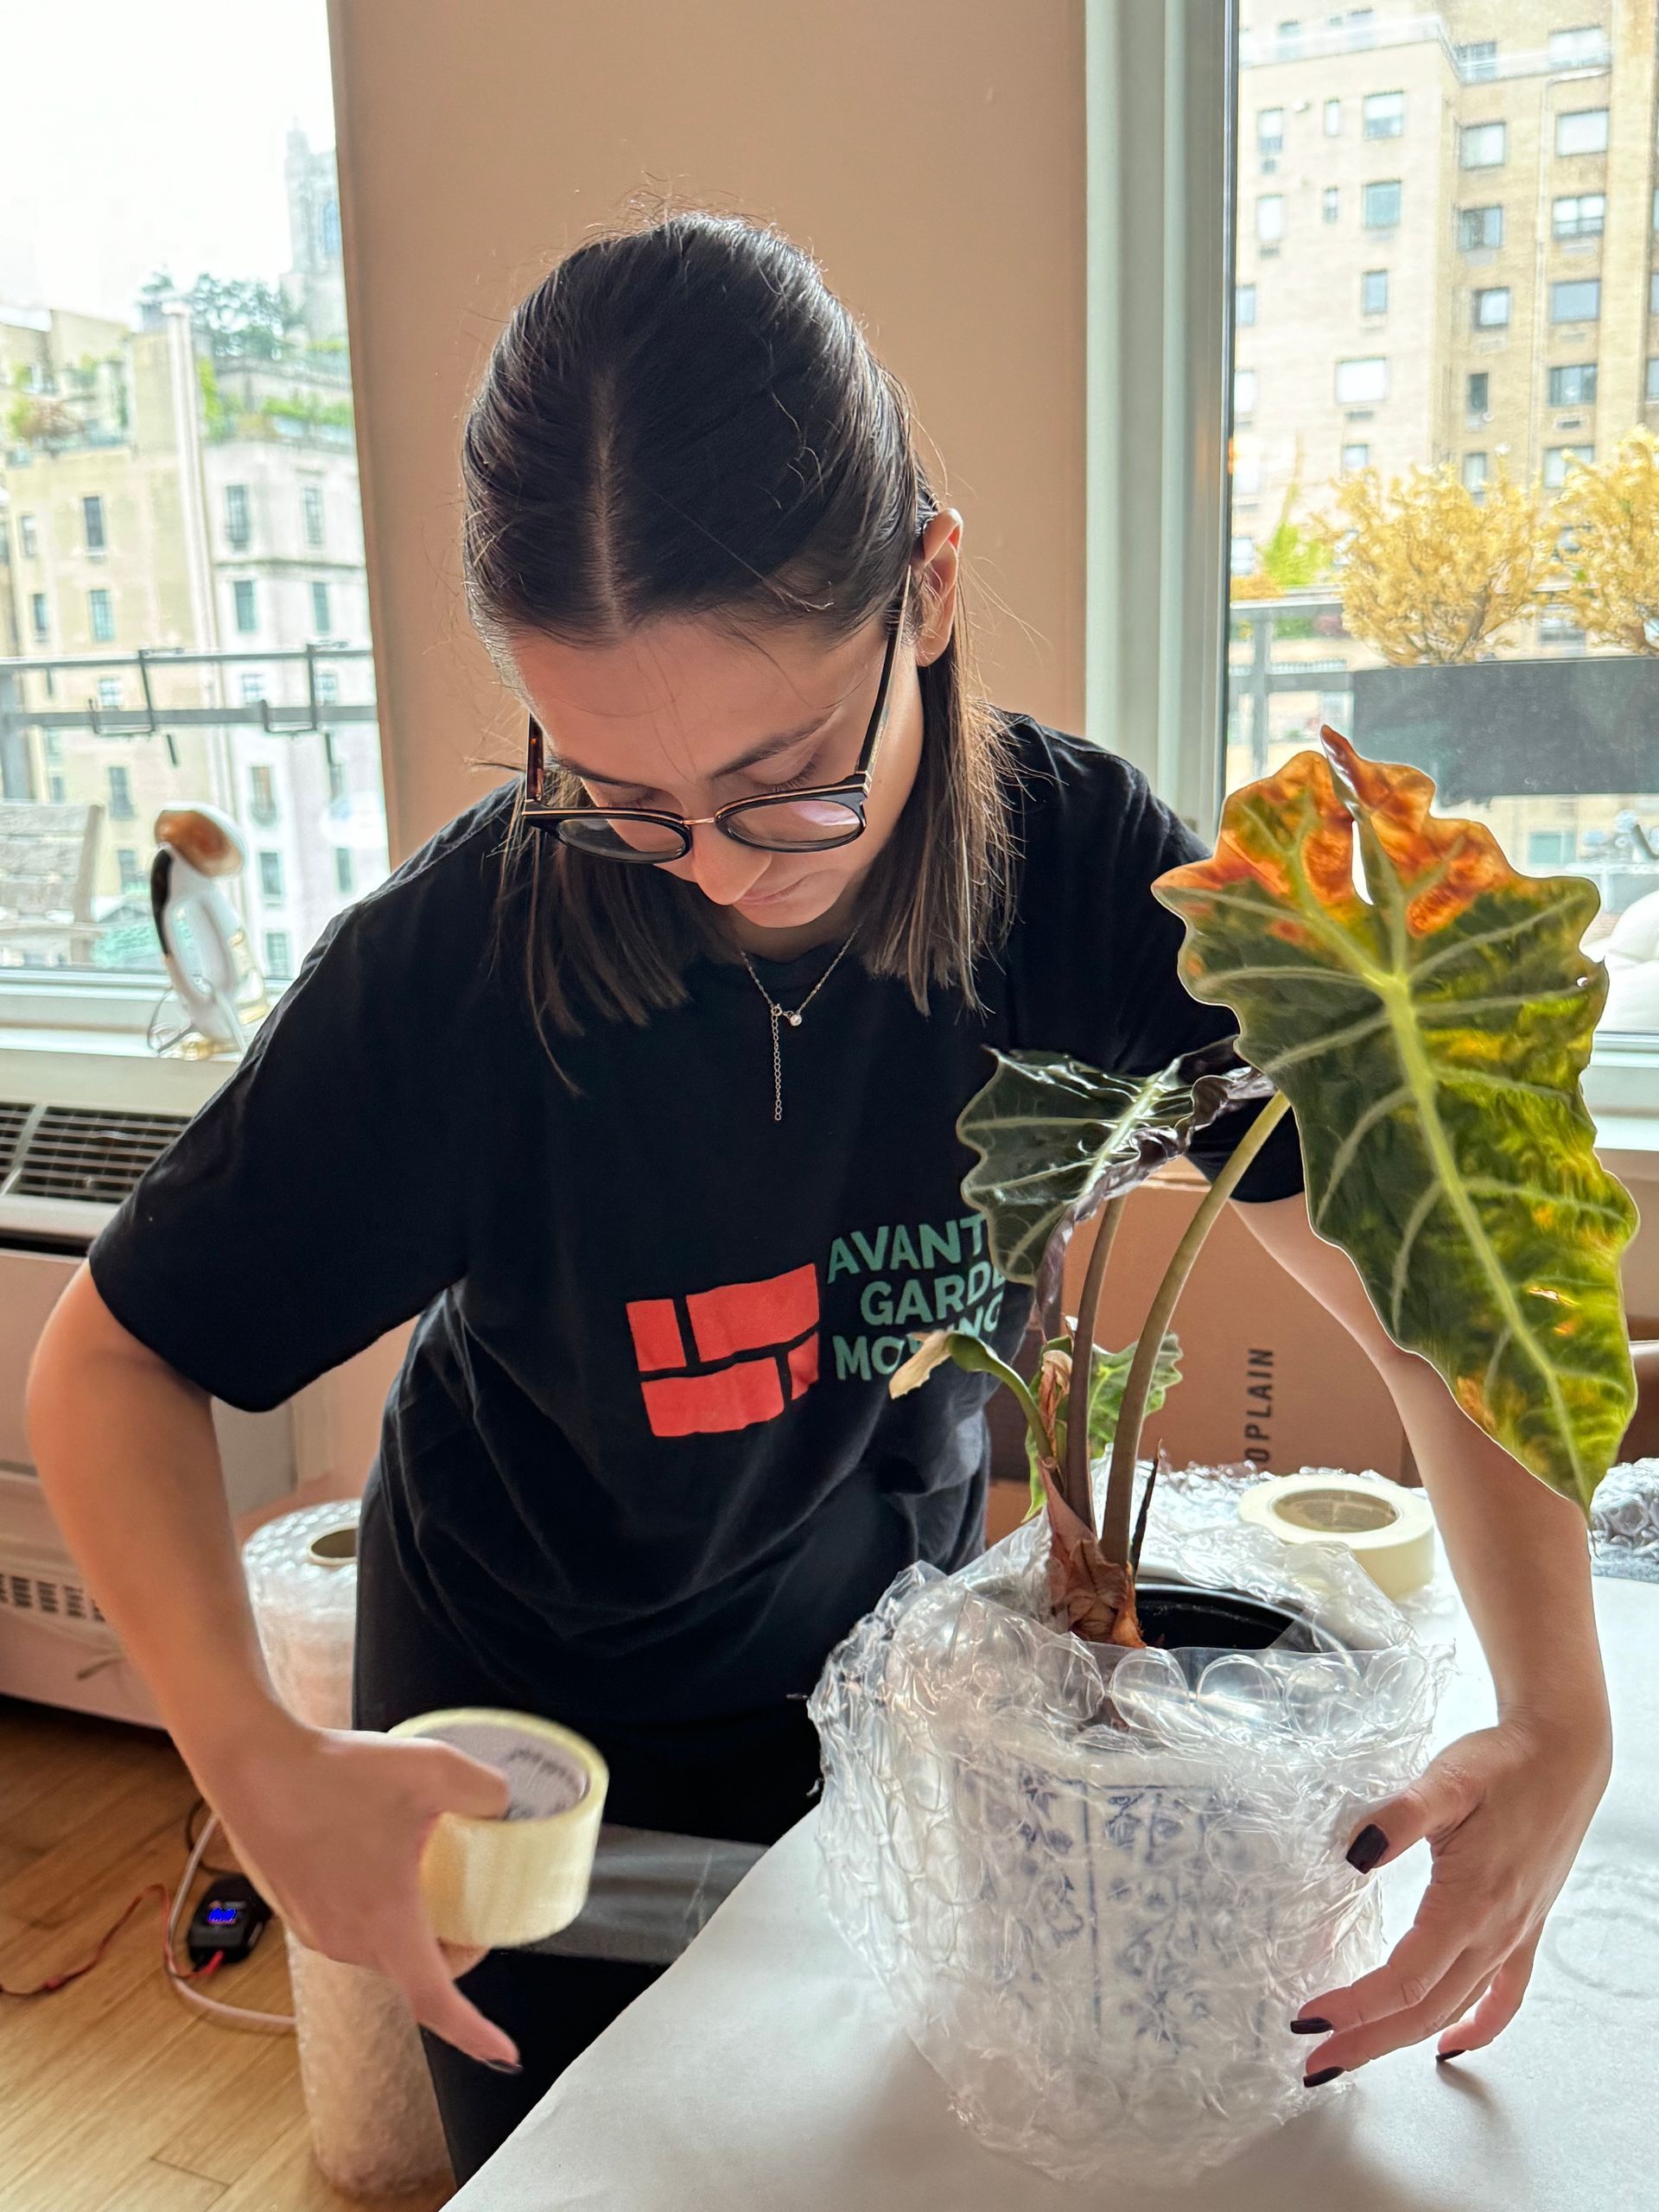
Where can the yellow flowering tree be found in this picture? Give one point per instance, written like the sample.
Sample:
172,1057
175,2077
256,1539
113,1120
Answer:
1610,564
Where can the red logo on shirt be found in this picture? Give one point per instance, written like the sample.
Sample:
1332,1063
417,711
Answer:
755,1347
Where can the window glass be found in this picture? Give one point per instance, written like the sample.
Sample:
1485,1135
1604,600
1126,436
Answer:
178,431
1374,292
1572,48
1505,384
1333,120
1243,392
1270,130
1244,306
1332,198
1384,115
1270,218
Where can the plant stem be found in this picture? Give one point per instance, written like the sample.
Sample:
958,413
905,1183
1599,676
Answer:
1126,1445
1076,1486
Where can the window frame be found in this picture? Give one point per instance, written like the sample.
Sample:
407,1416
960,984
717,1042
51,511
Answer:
1577,115
1467,131
1394,184
1368,101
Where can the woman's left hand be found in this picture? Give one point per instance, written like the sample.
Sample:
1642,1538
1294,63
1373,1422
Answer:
1504,1812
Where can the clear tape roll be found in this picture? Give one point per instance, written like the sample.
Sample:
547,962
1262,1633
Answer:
522,1877
1389,1529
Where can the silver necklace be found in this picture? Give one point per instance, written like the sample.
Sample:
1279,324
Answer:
792,1016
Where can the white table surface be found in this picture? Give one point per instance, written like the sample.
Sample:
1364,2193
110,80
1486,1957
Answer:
764,2073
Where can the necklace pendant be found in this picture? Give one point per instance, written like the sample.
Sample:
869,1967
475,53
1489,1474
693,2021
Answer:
793,1020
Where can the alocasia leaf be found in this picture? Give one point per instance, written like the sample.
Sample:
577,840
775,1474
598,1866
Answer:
1057,1138
1430,1034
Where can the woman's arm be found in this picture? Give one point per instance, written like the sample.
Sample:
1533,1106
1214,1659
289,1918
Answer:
1504,1809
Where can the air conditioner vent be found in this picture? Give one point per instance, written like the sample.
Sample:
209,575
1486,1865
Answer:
56,1600
94,1154
13,1118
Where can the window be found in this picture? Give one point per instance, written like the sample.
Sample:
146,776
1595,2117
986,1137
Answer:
100,609
1478,395
261,796
1550,847
126,859
1653,378
1362,27
336,781
1244,306
109,690
1380,204
1583,218
1479,227
328,686
1556,461
1481,145
1653,291
28,537
1247,468
1478,60
39,616
1374,292
311,507
319,621
270,876
1571,49
56,790
1330,203
237,528
1270,131
343,868
1355,457
1243,392
1288,41
242,596
92,513
1385,115
1583,132
1360,383
253,686
1492,308
121,807
1333,118
1270,219
1574,386
1578,299
1241,556
279,965
1474,472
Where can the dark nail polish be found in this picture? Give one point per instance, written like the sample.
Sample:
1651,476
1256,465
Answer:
1441,2056
501,2066
1310,2027
1324,2074
1367,1847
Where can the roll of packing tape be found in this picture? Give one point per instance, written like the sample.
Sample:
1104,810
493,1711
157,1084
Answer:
525,1876
1389,1529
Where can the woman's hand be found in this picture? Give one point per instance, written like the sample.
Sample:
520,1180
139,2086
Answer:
1504,1812
332,1824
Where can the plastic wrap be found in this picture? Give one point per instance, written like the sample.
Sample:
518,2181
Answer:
1099,1888
1624,1522
368,2096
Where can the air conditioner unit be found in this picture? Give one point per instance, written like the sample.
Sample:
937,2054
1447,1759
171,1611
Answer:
77,1129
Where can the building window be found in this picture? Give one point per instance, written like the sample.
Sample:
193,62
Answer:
109,690
278,960
1374,292
126,859
1556,461
1573,49
328,686
319,621
336,780
261,796
1380,204
39,617
311,507
1583,132
1579,300
1653,291
121,807
1479,227
1361,383
53,740
1385,115
91,511
1492,308
1478,60
56,790
1241,556
1574,386
343,868
1247,468
1474,472
242,593
1270,131
1362,27
1481,145
1354,458
1244,306
1653,378
28,537
253,686
1585,217
1478,395
1333,118
1243,392
270,877
1330,203
1288,41
239,529
1550,847
1270,218
101,609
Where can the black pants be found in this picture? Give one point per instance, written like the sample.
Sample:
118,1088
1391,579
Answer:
746,1778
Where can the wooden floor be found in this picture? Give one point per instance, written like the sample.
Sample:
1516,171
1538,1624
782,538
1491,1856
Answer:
112,2093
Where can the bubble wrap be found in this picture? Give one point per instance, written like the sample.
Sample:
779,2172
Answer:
1624,1522
1098,1889
368,2096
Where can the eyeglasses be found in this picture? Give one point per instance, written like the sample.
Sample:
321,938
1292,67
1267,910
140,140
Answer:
811,821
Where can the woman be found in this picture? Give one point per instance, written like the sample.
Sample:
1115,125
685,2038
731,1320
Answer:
638,1083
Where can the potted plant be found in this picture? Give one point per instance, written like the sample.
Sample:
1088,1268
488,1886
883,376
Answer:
1097,1874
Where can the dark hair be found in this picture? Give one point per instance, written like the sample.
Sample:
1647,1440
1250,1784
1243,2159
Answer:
683,419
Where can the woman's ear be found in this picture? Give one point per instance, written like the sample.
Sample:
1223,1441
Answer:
937,584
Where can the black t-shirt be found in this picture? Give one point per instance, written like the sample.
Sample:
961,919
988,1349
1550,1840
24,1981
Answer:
640,1456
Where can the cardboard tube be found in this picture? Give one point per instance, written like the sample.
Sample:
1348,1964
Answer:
1389,1529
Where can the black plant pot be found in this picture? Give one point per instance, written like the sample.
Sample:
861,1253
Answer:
1174,1614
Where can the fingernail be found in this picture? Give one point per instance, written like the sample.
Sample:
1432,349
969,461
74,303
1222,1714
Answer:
1324,2074
1367,1847
1440,2057
1310,2027
502,2065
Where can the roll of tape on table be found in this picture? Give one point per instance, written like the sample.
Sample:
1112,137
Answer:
524,1876
1389,1529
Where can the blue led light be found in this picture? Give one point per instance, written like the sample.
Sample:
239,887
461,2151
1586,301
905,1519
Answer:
221,1915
